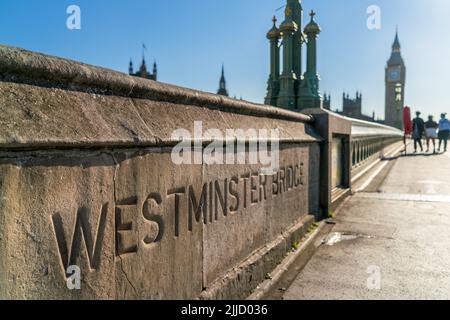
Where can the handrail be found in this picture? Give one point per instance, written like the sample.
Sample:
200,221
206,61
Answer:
368,129
368,140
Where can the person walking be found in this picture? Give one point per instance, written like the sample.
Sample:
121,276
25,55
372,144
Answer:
431,127
418,131
444,131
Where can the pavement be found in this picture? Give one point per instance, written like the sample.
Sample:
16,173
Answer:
391,240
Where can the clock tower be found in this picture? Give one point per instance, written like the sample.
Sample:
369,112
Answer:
395,87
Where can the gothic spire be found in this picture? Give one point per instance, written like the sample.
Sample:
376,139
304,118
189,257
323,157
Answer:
143,68
396,45
222,78
130,67
396,56
223,84
155,71
142,71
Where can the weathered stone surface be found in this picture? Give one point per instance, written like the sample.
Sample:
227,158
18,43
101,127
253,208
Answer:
59,118
159,254
44,204
268,205
87,179
67,104
116,215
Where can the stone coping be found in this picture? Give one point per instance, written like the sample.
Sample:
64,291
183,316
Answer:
29,67
50,102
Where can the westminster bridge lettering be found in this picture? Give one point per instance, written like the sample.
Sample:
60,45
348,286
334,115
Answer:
216,198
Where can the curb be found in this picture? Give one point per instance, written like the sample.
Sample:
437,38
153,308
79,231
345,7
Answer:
304,252
268,285
242,280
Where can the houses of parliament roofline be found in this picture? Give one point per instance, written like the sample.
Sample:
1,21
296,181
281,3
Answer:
142,72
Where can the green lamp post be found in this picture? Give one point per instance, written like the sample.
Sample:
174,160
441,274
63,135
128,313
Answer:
309,96
287,96
273,84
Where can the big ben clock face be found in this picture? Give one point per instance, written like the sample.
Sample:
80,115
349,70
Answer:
394,74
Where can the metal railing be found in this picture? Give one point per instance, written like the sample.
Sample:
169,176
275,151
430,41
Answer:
368,141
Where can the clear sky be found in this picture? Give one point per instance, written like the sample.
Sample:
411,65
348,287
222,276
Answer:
190,39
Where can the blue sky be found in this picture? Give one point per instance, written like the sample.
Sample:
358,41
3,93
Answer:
191,39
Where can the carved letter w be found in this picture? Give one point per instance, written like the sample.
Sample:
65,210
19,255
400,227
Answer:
82,230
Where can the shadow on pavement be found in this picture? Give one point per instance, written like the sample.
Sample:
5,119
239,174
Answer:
403,155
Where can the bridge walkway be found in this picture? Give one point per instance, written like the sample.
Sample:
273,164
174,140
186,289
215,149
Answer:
390,240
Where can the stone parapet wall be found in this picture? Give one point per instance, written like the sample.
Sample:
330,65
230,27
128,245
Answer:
87,180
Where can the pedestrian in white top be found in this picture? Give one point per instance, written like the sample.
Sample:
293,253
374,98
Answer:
431,127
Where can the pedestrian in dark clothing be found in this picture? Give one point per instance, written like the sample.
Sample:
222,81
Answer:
418,131
444,132
431,127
